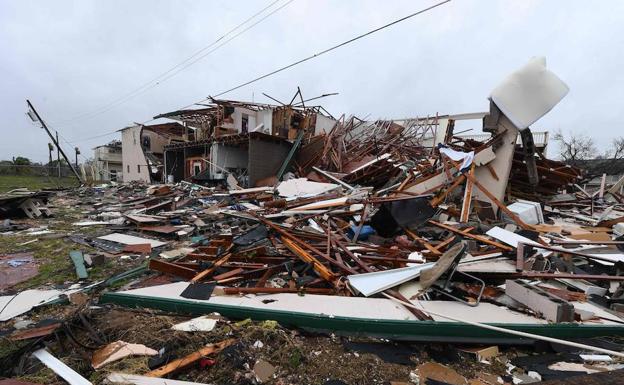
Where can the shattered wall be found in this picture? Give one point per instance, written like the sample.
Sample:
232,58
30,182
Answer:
226,157
265,159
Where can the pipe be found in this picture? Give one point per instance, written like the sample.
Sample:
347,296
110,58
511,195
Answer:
514,332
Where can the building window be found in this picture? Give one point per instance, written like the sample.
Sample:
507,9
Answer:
113,175
139,168
196,168
146,143
128,168
245,123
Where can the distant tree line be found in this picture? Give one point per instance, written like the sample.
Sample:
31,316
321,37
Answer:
21,165
580,150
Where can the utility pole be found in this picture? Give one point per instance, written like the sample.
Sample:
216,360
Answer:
32,113
77,153
58,156
50,149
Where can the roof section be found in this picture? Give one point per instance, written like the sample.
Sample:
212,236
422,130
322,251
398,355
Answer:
112,143
199,116
228,140
167,129
195,117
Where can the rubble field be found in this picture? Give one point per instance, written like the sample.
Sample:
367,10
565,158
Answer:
378,252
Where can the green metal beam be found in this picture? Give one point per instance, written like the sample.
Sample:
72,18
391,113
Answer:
290,155
393,329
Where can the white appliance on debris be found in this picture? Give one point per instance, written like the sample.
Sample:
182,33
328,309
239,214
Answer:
530,212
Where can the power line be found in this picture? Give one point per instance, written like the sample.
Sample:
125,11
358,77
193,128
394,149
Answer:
92,137
221,45
333,48
316,54
176,68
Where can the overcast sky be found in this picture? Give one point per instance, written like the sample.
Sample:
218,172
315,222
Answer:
72,58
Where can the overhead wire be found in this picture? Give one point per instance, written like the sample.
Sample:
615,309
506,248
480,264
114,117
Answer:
181,66
333,47
322,52
327,50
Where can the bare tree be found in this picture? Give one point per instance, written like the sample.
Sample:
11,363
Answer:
575,147
617,149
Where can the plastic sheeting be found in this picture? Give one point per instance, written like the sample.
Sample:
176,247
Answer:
529,93
465,157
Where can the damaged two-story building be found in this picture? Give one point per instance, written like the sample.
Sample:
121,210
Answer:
143,149
107,162
249,141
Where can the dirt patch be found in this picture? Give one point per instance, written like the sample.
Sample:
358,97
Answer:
299,358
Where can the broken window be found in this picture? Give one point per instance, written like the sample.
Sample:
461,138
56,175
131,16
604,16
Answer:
146,143
245,124
196,168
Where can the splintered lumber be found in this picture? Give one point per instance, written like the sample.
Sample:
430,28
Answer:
211,269
228,274
466,234
274,290
440,198
540,275
323,271
294,240
444,243
184,362
172,268
423,242
500,205
465,211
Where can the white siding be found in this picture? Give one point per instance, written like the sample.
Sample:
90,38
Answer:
133,159
324,124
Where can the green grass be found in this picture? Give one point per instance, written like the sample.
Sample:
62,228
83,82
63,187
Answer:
10,182
52,254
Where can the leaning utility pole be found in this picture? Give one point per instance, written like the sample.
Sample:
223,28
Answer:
77,153
32,113
50,149
58,156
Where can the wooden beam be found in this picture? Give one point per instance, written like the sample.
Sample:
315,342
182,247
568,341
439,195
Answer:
323,271
211,269
440,198
171,268
479,238
465,211
444,243
426,244
184,362
228,274
500,205
273,290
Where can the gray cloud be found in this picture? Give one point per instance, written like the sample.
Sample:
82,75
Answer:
71,57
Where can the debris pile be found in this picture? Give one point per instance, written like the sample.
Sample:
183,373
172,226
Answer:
386,230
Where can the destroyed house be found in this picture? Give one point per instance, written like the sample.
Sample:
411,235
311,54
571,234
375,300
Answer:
143,150
251,157
239,138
